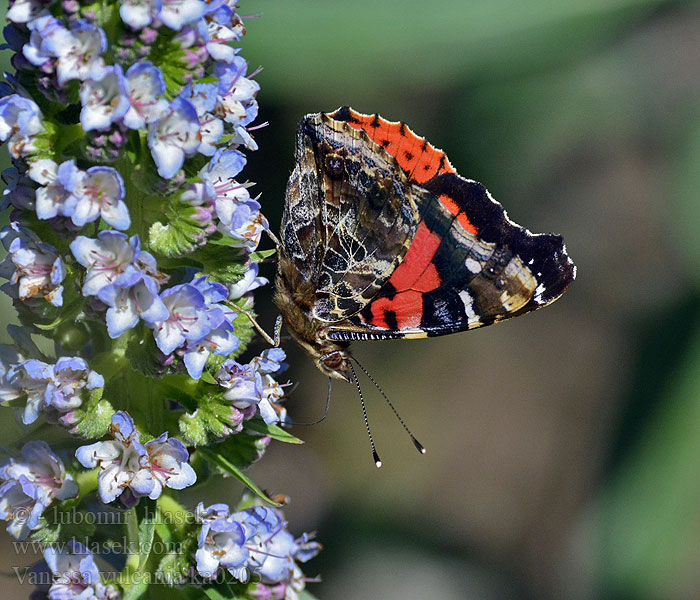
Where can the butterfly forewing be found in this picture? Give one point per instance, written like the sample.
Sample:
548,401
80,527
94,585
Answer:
357,225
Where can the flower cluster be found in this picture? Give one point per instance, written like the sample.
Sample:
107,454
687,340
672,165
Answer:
75,574
123,277
139,469
251,388
30,484
84,196
253,542
32,267
132,249
197,324
57,389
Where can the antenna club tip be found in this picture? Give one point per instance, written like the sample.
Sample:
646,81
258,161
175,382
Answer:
418,446
376,459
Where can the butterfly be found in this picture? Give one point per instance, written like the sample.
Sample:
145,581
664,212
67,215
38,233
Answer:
381,239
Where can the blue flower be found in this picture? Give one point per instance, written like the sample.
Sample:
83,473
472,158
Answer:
252,541
124,277
125,463
178,13
145,83
218,337
138,14
23,11
55,197
132,297
221,542
242,220
203,97
56,388
104,99
168,464
78,51
270,361
218,174
252,388
243,388
26,380
20,122
32,267
188,319
67,380
249,282
173,137
35,51
236,100
100,193
221,26
75,574
29,486
111,256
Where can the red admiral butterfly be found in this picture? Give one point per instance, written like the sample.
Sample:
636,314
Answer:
381,239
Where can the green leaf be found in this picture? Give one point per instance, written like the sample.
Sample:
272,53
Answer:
240,449
215,594
274,431
20,336
261,254
221,262
135,590
94,417
226,465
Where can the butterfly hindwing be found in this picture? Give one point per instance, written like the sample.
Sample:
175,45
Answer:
452,279
468,264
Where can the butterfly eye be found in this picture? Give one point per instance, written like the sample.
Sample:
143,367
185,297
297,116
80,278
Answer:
333,361
335,165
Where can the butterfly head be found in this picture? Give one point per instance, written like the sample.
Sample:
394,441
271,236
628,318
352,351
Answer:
335,364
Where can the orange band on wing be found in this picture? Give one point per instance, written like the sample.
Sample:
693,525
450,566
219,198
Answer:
454,208
420,160
415,276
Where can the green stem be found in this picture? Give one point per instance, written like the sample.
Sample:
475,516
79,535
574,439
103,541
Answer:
173,513
132,539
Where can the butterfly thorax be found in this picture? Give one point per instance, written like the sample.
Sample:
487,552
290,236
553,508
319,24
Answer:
294,297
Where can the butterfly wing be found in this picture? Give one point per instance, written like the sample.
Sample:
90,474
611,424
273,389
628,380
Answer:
350,216
391,243
467,266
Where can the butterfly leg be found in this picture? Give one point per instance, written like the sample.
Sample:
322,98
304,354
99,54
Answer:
273,341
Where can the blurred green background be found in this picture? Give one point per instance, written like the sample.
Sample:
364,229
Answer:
563,448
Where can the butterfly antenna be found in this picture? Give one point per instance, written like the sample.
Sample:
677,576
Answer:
377,461
325,412
416,443
274,238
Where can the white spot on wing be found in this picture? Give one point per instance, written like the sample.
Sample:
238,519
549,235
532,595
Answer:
473,265
538,293
468,301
